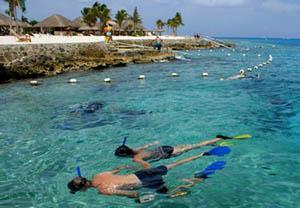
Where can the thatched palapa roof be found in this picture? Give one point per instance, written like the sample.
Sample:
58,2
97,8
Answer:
127,25
56,20
5,21
83,26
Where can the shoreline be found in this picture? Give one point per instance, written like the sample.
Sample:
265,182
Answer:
34,60
51,39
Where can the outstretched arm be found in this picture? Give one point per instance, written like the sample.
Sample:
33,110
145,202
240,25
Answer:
130,194
147,146
122,167
190,183
140,161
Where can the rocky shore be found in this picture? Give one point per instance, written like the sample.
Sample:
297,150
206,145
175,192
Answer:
38,60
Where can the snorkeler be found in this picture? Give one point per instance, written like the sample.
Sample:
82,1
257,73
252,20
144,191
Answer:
241,75
140,155
108,183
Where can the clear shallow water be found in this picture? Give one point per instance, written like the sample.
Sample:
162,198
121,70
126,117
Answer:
41,135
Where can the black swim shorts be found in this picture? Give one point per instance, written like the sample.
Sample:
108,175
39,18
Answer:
152,178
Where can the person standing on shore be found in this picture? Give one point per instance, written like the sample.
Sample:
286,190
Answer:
107,33
158,43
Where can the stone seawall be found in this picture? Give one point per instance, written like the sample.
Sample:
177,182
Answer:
36,60
31,61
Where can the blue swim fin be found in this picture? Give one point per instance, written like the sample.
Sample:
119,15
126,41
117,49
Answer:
211,169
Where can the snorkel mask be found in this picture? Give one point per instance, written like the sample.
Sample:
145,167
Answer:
77,183
123,150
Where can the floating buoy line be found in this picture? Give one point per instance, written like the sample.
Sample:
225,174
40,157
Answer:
182,58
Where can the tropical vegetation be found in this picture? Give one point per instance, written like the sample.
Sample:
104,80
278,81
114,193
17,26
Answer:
97,11
120,17
13,5
136,19
160,25
175,22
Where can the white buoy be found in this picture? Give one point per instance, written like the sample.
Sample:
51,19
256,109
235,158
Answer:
258,55
107,80
228,54
268,62
260,65
249,69
34,82
204,74
211,50
221,79
264,63
256,67
174,74
72,80
270,58
141,77
244,54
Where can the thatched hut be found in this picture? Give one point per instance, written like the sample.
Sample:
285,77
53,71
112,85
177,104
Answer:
85,28
57,24
6,22
128,28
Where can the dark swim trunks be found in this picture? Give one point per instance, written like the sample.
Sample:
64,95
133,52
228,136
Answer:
163,152
152,178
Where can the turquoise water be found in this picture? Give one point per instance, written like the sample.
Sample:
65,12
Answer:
45,129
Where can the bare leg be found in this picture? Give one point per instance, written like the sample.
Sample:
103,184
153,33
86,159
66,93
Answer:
184,148
180,162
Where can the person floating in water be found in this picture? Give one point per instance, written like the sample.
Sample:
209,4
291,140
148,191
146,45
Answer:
109,183
140,155
241,75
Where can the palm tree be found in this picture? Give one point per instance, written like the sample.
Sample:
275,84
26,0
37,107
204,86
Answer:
160,25
12,8
102,12
136,18
89,16
178,18
120,17
173,24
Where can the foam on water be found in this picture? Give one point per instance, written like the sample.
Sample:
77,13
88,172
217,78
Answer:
37,158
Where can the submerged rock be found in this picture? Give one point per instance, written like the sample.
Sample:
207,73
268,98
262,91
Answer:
90,107
91,115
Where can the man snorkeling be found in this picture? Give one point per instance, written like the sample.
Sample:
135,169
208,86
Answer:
241,75
140,155
108,183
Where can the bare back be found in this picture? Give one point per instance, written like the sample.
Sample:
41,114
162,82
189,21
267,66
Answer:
108,183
